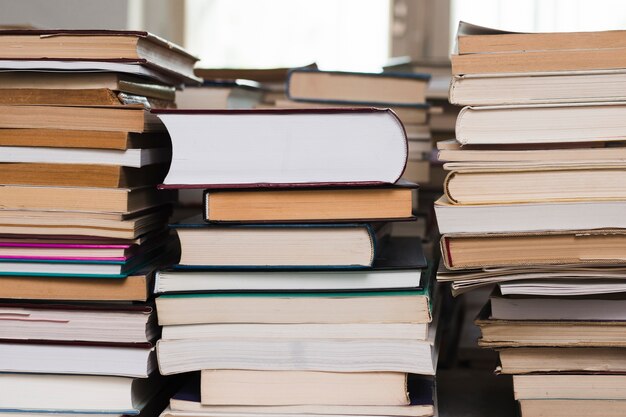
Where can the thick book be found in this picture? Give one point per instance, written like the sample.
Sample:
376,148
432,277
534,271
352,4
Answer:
115,119
588,247
295,354
91,81
542,123
280,246
400,264
72,97
107,323
486,50
135,287
538,88
496,333
96,176
49,393
186,403
299,307
374,89
284,147
115,45
568,408
77,358
528,217
271,388
556,387
81,199
393,202
84,139
562,360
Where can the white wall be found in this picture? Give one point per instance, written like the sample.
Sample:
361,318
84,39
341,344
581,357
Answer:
66,14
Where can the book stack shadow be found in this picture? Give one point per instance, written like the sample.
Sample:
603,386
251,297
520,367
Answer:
82,224
534,202
291,296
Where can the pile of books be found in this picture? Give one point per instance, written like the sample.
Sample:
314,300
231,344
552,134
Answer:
535,202
83,225
290,297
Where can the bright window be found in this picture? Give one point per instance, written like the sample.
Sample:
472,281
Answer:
342,35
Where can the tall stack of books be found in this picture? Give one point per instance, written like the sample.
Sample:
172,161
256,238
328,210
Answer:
535,201
290,295
83,225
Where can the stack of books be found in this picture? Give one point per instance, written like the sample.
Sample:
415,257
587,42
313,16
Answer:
535,201
290,296
83,225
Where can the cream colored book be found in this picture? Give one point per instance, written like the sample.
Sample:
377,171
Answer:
584,387
569,408
234,387
548,359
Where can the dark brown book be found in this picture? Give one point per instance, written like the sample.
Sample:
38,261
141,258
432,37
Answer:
73,175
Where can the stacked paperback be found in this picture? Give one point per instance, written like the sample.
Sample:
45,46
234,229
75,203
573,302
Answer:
535,202
290,296
83,225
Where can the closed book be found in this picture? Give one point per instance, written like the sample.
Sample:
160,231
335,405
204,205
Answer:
400,264
234,387
311,205
109,323
542,123
135,158
290,308
75,80
77,358
93,175
186,403
220,94
579,360
49,393
585,387
84,139
97,45
355,147
567,408
280,246
304,84
588,247
73,97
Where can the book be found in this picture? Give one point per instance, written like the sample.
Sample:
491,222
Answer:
534,183
552,360
608,308
85,139
135,158
400,264
603,281
304,84
566,408
69,250
96,45
311,205
220,94
538,88
74,80
115,119
72,97
286,245
234,387
589,247
186,402
497,333
587,387
135,361
355,147
557,153
51,393
326,307
409,331
135,287
112,323
486,50
292,354
81,199
96,176
541,123
528,217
